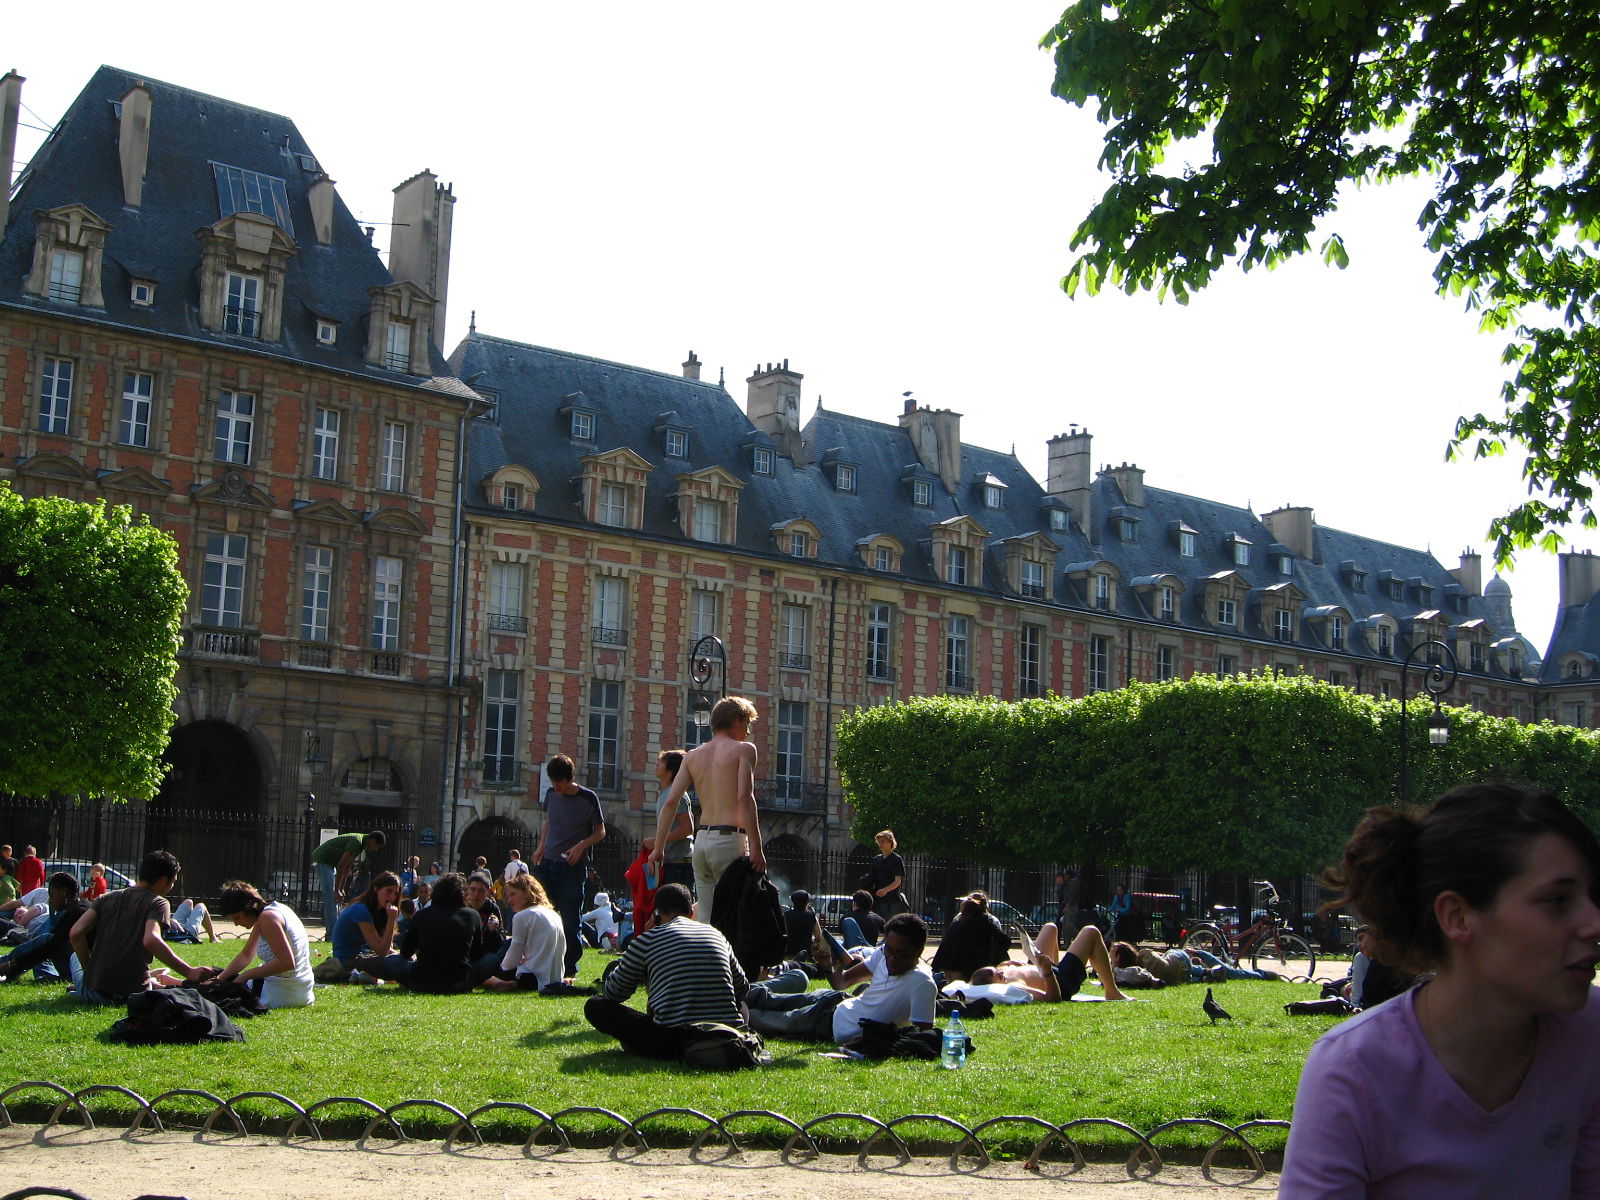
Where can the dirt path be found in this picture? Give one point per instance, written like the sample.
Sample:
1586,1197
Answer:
110,1164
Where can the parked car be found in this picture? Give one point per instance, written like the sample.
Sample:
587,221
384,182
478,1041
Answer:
831,910
78,868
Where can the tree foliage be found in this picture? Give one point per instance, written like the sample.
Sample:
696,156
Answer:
1242,774
1498,100
91,602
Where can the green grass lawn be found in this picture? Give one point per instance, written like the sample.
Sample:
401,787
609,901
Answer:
1141,1063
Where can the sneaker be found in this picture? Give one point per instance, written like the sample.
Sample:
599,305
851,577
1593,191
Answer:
361,977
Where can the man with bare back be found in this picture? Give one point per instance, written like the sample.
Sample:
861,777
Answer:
1053,974
723,774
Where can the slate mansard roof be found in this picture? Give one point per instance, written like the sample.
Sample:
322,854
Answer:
189,131
537,389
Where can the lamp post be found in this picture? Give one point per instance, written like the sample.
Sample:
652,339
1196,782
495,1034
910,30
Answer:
1436,682
708,678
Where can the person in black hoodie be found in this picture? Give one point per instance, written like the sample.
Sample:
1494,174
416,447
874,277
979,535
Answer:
49,953
974,939
438,948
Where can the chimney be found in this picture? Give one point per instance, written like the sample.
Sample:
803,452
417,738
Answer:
691,367
1470,573
1580,578
320,196
1130,482
1068,474
10,104
773,405
936,434
419,247
1294,528
133,142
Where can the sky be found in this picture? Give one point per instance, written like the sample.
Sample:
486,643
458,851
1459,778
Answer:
883,193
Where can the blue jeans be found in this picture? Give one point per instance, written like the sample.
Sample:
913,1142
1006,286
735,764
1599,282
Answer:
853,936
46,969
563,883
805,1016
330,901
396,968
1207,959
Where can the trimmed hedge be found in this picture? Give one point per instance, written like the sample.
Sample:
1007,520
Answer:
1248,774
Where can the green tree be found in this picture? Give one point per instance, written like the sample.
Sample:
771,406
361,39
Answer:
1498,100
91,602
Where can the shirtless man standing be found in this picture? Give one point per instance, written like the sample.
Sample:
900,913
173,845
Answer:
1055,976
723,774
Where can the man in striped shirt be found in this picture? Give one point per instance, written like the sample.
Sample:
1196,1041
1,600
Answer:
689,972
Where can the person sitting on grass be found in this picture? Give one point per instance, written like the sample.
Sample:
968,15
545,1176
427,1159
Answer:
115,940
367,925
974,939
49,950
604,923
689,972
862,927
534,956
1057,976
900,991
275,936
439,948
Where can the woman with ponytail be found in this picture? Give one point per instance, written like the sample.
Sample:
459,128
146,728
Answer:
1478,1081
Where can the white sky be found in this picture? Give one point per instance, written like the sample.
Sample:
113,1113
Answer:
881,192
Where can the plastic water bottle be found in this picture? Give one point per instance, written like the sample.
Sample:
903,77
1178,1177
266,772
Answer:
953,1047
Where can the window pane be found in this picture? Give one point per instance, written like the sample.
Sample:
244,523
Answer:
222,585
386,597
316,594
133,426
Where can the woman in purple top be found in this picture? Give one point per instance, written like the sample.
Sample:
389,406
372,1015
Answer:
1480,1081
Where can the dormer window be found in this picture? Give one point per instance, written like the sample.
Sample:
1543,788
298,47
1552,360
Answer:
1336,633
66,275
1283,564
761,461
1227,611
956,565
492,399
1239,548
142,293
250,191
582,425
677,445
707,520
708,506
993,497
241,313
881,558
397,346
1424,595
1127,529
1385,641
1283,625
1102,590
921,492
1168,603
613,506
1187,543
613,488
1058,518
799,544
1358,581
511,496
879,552
1033,585
327,333
845,478
400,327
512,488
797,536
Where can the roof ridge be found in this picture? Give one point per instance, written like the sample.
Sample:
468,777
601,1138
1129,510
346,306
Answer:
478,334
189,91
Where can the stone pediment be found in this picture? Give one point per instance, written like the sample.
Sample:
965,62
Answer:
74,219
1037,544
60,466
252,238
329,511
716,477
135,479
396,520
622,457
233,488
961,526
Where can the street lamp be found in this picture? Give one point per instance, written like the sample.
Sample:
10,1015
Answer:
1436,682
708,678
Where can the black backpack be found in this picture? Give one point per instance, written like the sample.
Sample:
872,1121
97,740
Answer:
713,1046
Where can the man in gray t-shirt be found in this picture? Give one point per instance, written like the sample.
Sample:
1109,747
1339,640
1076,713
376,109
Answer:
677,866
122,931
573,823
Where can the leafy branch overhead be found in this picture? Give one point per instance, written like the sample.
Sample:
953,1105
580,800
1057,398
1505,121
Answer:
1272,107
91,602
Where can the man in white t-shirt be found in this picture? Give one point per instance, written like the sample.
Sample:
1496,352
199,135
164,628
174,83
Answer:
515,867
901,992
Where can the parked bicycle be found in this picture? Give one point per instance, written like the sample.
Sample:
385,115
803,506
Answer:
1268,941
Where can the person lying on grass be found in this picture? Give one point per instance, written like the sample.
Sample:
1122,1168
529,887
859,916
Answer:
1175,966
901,991
1053,974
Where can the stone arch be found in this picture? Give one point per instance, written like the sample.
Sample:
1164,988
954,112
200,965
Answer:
210,810
494,838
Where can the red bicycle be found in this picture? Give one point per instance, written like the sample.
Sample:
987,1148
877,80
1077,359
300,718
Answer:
1268,941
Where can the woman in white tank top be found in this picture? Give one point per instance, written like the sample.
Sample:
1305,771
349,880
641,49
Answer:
277,939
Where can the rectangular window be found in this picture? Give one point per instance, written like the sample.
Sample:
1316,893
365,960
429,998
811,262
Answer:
605,727
613,507
327,333
610,607
846,478
316,593
791,766
956,565
1128,530
66,275
880,631
1572,713
1030,660
142,293
1033,579
708,520
1102,591
1336,678
762,461
1226,612
794,637
392,459
1166,664
1283,625
1226,664
797,543
1385,641
388,575
677,444
993,497
1241,553
1058,518
881,558
55,395
502,693
957,648
242,315
505,594
222,586
1186,543
705,614
1475,657
1336,633
236,420
397,345
511,496
1358,581
582,425
1099,664
1169,603
133,424
921,492
325,443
